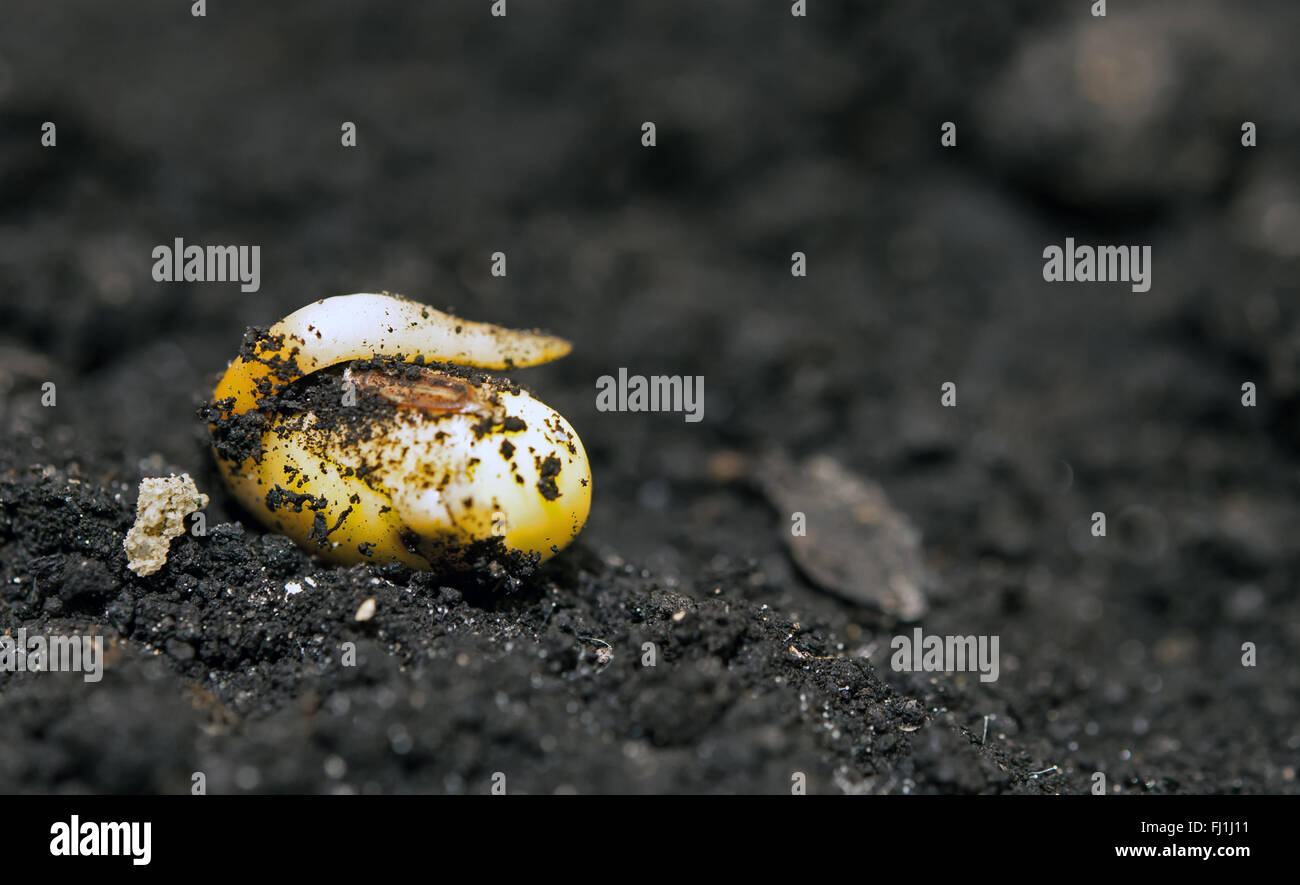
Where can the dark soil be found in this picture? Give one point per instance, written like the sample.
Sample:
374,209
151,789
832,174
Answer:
775,134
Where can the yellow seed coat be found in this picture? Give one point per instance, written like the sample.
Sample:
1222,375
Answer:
434,481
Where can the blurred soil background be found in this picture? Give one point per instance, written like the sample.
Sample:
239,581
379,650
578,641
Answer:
775,134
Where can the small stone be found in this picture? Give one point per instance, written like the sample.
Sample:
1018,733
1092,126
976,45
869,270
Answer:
160,513
367,610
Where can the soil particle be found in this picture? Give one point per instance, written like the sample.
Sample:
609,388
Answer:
547,470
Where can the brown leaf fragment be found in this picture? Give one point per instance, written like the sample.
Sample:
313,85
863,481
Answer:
857,545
